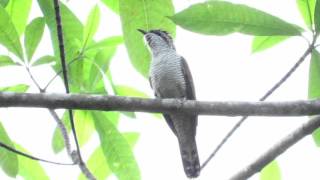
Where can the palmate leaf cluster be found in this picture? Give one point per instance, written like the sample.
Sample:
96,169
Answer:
89,60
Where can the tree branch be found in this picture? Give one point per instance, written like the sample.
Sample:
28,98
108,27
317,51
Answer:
120,103
295,136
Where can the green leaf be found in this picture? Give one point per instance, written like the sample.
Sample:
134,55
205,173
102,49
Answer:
97,162
307,8
122,90
91,25
8,159
271,172
314,86
261,43
222,18
6,61
84,129
317,16
147,15
72,30
112,4
4,3
16,88
8,34
98,165
101,65
316,137
19,11
131,137
44,60
107,42
314,76
116,149
33,35
84,126
30,169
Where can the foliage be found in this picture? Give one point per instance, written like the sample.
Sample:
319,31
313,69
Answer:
222,18
271,172
8,160
147,15
89,62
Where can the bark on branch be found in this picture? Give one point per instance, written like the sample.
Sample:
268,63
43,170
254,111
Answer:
118,103
295,136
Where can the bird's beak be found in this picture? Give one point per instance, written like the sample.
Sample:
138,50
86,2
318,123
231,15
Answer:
142,31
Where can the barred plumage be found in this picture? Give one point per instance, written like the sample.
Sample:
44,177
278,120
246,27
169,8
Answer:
170,78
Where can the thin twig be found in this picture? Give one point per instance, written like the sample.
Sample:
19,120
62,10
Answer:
264,97
277,149
30,156
60,124
88,174
63,131
32,78
59,72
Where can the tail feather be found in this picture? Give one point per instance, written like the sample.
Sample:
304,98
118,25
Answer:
190,159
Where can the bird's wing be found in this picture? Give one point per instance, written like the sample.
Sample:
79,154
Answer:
166,116
190,93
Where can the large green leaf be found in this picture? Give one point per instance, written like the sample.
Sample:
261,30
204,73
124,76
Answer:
91,25
101,65
33,35
314,86
261,43
8,34
221,18
8,160
122,90
4,3
44,60
19,11
131,137
97,162
16,88
6,61
84,128
112,4
317,16
271,172
314,76
30,169
107,42
147,15
116,149
306,8
98,165
72,30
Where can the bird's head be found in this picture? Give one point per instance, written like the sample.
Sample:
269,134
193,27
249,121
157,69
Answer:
158,40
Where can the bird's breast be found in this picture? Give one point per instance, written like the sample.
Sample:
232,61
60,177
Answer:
167,76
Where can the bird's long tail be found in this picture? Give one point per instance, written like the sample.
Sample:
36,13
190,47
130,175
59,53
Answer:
190,158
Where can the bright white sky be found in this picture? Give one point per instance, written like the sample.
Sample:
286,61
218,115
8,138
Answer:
223,68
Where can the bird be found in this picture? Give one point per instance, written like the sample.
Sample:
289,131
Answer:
170,77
